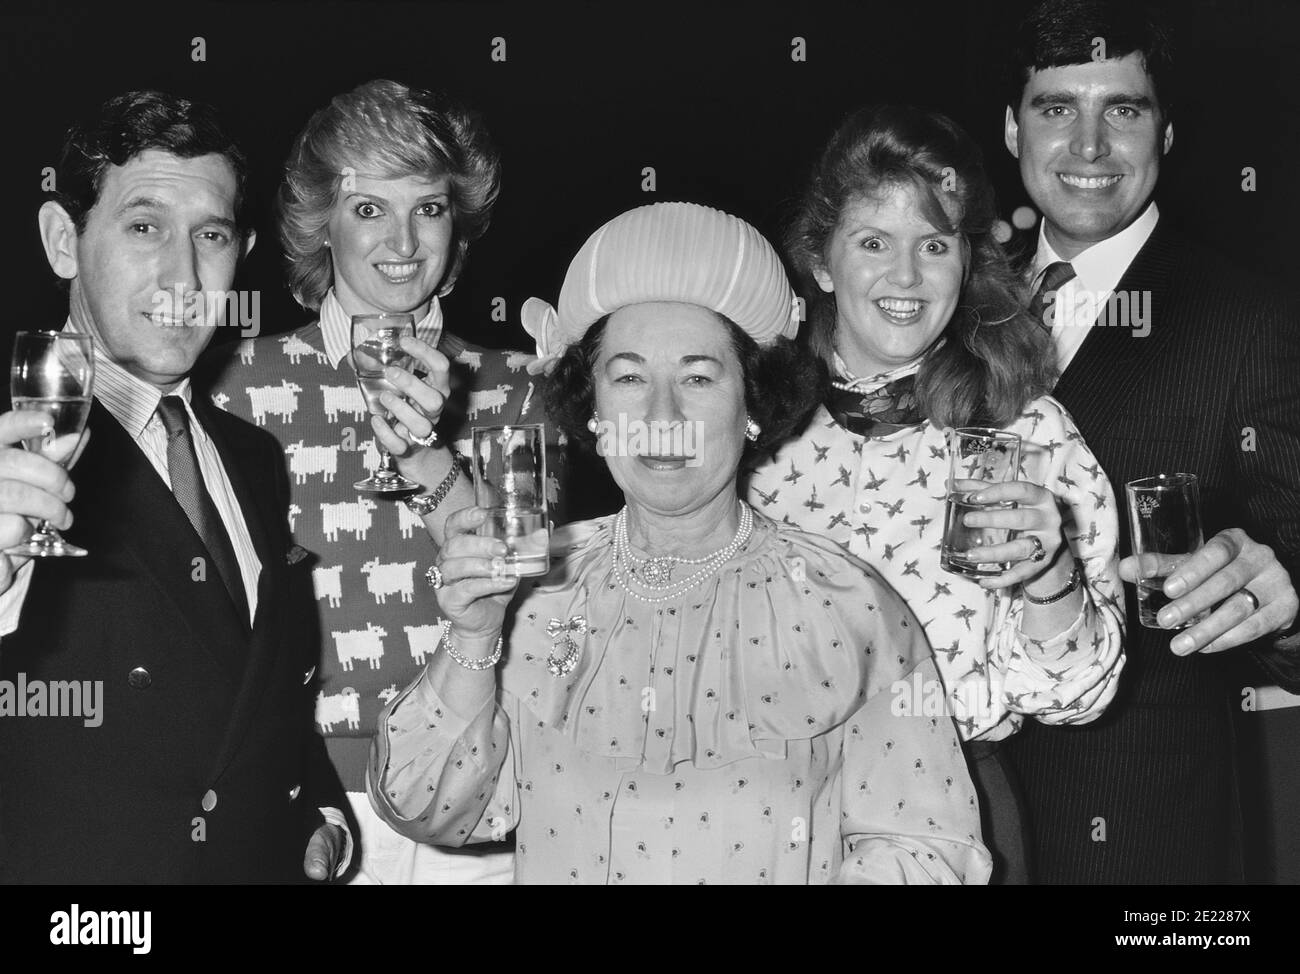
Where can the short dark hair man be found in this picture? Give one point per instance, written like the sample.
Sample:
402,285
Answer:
1172,362
189,611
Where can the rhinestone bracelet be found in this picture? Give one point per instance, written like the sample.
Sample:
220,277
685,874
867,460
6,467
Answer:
470,664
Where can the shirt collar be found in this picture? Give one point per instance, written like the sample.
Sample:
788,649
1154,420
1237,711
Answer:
867,383
129,399
1100,267
336,327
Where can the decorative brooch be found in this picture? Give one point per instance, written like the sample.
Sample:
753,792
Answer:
565,650
658,571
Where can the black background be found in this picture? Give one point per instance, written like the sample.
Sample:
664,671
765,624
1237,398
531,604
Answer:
590,94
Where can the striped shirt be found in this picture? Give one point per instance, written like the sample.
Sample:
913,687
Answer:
134,404
336,328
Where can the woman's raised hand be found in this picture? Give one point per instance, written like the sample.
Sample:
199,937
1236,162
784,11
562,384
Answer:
417,409
475,591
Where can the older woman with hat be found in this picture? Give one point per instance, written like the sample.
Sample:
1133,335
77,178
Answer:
695,693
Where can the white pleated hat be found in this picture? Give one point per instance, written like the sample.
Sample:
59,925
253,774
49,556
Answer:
670,252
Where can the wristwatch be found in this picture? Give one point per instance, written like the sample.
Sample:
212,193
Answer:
423,504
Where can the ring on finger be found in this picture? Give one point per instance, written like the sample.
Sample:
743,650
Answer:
1039,552
436,579
1254,599
430,440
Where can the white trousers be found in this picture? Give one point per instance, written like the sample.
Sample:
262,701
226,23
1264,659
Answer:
390,859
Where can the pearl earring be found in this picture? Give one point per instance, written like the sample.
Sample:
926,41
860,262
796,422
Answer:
593,424
752,429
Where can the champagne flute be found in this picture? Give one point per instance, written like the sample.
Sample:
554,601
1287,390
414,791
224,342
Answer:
377,344
53,372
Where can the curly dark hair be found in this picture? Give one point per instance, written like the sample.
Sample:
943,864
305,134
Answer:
132,123
784,382
997,357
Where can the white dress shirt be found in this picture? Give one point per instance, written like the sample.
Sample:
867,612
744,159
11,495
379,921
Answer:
336,327
1097,273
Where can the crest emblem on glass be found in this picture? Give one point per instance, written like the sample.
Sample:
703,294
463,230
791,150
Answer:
1165,523
977,458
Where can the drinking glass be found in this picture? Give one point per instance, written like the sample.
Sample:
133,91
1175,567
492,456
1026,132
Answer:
977,458
53,372
1164,514
510,484
377,344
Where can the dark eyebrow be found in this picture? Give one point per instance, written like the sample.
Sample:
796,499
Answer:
224,222
1137,101
1046,98
854,227
384,199
151,203
692,359
630,356
143,203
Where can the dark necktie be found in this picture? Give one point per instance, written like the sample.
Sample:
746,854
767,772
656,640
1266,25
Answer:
1054,277
193,496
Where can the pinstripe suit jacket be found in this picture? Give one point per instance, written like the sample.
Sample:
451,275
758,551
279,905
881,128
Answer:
1148,793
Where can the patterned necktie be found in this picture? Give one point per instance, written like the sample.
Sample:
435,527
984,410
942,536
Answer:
880,412
1054,277
193,496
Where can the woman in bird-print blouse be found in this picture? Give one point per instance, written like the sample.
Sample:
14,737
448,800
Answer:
695,693
913,307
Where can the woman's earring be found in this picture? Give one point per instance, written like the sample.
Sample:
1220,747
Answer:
593,424
327,243
752,429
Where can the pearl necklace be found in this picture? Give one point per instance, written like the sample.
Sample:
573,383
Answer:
625,562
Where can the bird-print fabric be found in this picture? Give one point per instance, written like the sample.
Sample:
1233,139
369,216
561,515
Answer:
882,498
741,733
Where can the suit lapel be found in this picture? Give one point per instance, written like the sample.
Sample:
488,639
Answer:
1111,362
138,515
255,493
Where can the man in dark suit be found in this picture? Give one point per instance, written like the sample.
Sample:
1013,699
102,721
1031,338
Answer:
1171,362
190,611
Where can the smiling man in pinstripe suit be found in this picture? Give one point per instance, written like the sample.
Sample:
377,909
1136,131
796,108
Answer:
1170,361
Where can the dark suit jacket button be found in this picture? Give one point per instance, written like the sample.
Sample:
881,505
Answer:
139,678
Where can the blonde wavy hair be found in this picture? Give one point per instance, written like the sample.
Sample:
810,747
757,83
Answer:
386,129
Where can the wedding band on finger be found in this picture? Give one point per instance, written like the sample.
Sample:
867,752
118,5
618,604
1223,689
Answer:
435,577
1039,552
1254,599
